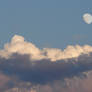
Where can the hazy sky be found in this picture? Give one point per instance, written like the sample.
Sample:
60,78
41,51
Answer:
46,23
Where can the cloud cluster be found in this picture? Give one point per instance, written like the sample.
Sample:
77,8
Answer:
87,18
20,46
23,66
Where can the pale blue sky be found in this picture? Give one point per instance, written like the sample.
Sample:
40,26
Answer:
46,23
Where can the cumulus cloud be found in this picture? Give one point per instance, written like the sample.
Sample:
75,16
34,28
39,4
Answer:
20,46
23,66
87,18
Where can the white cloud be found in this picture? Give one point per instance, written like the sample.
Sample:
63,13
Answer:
20,46
87,18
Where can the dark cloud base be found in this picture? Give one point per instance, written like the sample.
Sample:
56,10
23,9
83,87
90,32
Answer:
19,69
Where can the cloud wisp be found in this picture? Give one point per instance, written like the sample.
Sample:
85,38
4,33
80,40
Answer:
25,66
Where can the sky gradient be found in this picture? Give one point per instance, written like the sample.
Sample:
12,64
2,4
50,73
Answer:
46,23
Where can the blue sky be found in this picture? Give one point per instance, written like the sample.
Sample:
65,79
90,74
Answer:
46,23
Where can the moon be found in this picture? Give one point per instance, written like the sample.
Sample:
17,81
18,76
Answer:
87,18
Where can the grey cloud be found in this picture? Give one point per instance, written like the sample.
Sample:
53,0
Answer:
19,70
43,72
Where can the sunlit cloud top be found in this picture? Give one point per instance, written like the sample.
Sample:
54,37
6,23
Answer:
20,46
